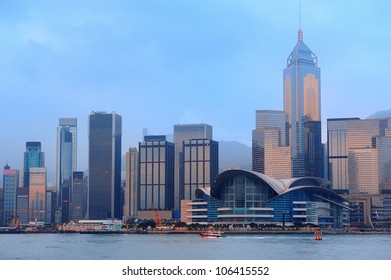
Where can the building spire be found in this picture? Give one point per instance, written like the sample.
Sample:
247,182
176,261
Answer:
300,32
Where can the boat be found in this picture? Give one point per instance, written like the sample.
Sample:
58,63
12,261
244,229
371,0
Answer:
212,234
318,234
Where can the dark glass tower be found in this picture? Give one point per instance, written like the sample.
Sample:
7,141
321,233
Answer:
156,174
33,157
104,160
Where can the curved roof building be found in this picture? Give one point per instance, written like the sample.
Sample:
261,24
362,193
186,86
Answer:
244,197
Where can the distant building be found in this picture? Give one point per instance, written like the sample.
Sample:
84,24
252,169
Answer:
183,132
301,100
22,205
33,157
79,195
131,183
66,163
268,119
156,174
104,160
37,194
359,157
314,156
10,186
201,165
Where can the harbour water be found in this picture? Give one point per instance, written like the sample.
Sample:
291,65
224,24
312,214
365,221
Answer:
192,247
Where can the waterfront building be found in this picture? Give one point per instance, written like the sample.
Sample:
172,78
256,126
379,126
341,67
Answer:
1,205
66,164
183,132
10,186
266,119
156,174
131,183
22,205
201,165
33,157
37,194
240,197
79,195
302,97
104,166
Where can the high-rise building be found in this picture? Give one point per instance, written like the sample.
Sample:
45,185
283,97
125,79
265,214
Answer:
183,132
79,194
201,165
156,174
359,157
66,163
10,186
314,156
265,119
301,99
37,194
33,157
22,205
104,160
131,183
277,160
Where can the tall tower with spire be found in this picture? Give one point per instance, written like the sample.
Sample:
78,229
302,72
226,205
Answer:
302,104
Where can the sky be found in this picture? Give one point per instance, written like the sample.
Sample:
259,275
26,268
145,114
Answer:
159,63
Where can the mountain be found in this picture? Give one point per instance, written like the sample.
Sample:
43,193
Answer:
234,154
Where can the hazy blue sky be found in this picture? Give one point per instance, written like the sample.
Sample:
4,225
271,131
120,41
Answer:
160,63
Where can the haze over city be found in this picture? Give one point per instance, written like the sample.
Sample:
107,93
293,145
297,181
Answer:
160,63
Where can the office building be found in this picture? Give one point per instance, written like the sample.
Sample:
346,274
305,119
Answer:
183,132
131,184
22,205
104,166
267,119
277,159
79,196
301,99
37,194
313,149
156,174
66,163
33,157
10,186
201,165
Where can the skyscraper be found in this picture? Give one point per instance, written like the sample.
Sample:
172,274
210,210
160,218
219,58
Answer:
201,165
156,174
66,163
301,99
131,183
78,205
183,132
10,186
104,160
266,119
37,194
33,157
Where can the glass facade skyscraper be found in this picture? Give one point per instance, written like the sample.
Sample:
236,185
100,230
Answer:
301,99
156,174
201,165
104,160
66,163
183,132
37,194
33,157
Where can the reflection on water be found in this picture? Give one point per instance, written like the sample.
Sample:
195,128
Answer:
192,247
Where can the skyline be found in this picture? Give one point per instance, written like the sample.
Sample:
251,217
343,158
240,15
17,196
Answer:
183,60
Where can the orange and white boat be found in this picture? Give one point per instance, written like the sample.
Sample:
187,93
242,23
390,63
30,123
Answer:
212,234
